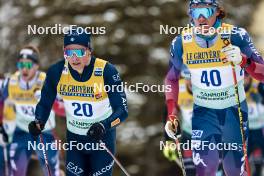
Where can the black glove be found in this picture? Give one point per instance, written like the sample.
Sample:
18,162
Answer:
96,131
3,135
33,129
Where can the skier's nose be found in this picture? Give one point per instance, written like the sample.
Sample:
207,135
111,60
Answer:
74,57
201,19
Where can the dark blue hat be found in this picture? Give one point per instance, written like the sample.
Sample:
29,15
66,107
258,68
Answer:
77,36
213,2
29,53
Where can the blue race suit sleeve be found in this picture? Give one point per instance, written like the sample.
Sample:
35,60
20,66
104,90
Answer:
49,92
117,97
4,93
261,90
3,97
176,51
176,61
175,66
241,38
173,75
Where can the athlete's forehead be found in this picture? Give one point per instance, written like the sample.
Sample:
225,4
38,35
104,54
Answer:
25,60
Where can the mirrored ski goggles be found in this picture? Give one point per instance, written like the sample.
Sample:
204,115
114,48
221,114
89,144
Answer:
77,52
22,65
206,12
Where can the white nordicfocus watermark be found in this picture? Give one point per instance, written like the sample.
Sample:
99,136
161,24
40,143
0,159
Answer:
204,29
137,87
201,145
97,89
59,145
58,29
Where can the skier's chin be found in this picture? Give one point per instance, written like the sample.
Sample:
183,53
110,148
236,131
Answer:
76,66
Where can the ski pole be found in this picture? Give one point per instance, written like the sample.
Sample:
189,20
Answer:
247,168
45,155
6,160
114,158
241,120
56,137
178,162
180,155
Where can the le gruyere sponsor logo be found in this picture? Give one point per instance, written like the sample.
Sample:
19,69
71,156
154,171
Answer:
74,90
203,57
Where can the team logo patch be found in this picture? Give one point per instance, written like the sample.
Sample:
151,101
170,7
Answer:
72,39
225,36
75,169
187,38
98,72
116,77
197,133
